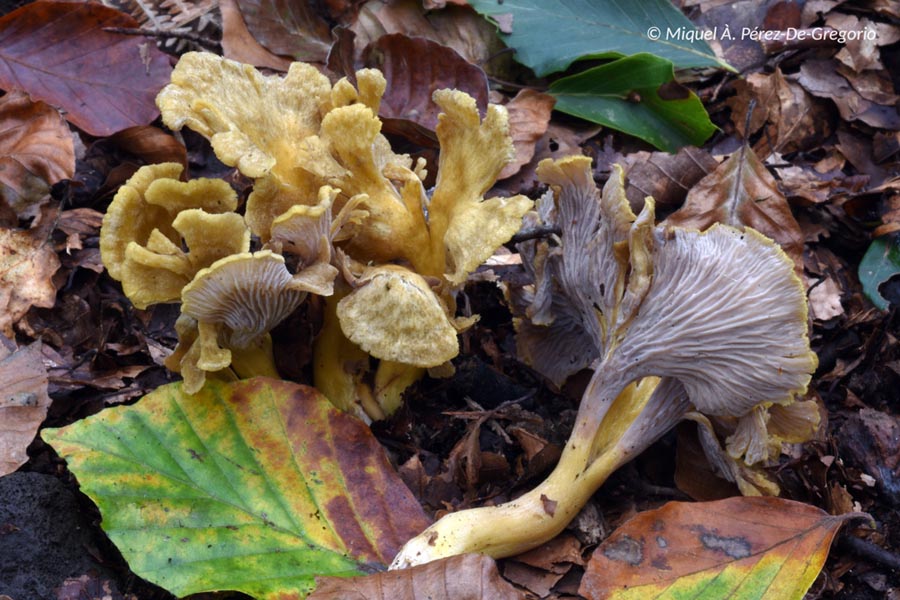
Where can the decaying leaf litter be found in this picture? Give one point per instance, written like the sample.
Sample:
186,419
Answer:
806,154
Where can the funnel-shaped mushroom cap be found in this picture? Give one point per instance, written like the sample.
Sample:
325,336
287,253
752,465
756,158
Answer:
251,120
580,280
394,315
726,316
721,312
151,219
245,295
306,233
159,271
130,218
351,154
466,228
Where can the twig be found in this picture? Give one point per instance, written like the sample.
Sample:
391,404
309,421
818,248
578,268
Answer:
540,231
872,552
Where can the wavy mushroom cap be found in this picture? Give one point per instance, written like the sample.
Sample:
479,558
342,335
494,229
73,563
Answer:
721,312
394,315
151,221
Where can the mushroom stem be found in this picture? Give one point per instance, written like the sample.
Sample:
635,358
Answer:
255,360
608,433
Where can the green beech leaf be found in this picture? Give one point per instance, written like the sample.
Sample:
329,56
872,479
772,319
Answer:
880,263
549,35
639,96
256,486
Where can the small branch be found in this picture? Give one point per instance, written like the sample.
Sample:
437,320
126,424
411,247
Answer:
871,552
541,231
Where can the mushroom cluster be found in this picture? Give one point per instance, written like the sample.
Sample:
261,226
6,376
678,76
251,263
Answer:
352,218
676,324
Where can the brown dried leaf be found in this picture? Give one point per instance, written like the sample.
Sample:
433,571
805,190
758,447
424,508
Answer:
558,141
459,27
737,547
557,556
694,475
27,265
817,183
666,177
823,78
23,401
414,68
151,144
742,52
813,10
862,53
537,581
792,118
529,115
288,28
36,151
857,149
742,193
240,45
58,52
464,577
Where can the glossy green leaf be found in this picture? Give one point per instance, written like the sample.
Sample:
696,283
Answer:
549,35
880,263
639,96
256,486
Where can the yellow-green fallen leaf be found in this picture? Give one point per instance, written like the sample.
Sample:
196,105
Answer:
256,486
747,548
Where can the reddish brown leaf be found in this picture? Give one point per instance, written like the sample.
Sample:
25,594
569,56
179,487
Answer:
863,52
822,78
465,577
693,474
793,119
666,177
288,28
27,265
817,183
58,52
414,68
537,581
151,144
240,45
742,193
529,115
558,141
713,550
36,151
23,401
557,556
857,149
459,27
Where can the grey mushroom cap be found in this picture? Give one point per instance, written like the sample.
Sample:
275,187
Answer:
726,316
249,293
